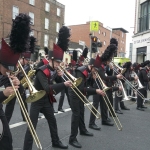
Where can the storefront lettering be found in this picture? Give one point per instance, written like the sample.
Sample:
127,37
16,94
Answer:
142,40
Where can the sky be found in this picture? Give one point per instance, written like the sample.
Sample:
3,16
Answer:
112,13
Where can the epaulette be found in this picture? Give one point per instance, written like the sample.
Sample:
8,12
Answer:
83,69
45,70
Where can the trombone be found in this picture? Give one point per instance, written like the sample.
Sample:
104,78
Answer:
27,118
24,84
124,79
75,89
118,124
34,94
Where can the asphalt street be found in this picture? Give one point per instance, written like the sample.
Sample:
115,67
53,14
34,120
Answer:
134,136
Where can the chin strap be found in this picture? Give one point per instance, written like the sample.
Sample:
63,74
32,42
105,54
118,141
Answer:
53,62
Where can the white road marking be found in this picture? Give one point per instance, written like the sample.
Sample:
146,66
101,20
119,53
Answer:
41,117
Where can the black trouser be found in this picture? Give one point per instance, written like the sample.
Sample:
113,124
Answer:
139,99
43,105
77,120
97,99
62,96
117,101
128,92
6,141
10,107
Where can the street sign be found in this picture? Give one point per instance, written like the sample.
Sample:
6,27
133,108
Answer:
94,26
81,43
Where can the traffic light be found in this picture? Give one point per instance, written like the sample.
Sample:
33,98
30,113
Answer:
94,44
99,44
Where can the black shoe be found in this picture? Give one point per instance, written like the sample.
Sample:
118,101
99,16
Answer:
59,144
107,123
55,111
108,119
113,115
143,106
75,143
125,108
94,126
86,133
118,111
61,110
139,108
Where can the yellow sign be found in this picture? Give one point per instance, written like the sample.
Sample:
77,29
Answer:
94,26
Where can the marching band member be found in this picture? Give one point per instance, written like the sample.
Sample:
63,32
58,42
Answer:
99,63
119,97
18,44
43,81
24,60
77,106
144,81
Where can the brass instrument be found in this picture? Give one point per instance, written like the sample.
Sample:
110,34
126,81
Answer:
128,82
24,84
140,86
106,99
121,93
34,94
122,70
75,89
26,115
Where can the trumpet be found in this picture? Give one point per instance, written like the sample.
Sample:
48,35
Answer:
26,115
75,89
132,86
117,121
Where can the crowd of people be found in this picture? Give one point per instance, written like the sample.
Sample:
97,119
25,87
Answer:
99,77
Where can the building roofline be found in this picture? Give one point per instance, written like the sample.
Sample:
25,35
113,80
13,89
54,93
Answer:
121,29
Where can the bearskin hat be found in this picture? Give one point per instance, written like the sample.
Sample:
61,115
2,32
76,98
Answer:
19,36
46,50
147,62
85,52
63,38
75,55
108,53
114,41
127,65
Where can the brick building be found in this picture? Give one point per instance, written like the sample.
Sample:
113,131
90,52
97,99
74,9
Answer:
47,17
81,33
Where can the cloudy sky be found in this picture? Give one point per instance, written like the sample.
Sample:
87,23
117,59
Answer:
112,13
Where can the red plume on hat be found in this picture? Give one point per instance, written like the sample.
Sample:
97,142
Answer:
7,56
57,52
97,62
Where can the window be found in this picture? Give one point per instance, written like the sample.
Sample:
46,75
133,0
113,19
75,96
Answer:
104,33
15,12
58,11
56,40
99,31
104,43
122,34
32,17
46,38
46,23
32,33
144,20
32,2
57,27
47,7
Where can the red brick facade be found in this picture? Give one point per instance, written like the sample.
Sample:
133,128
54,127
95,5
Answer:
6,7
81,32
